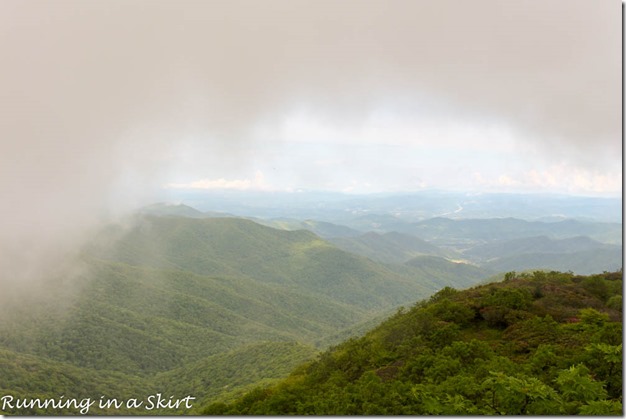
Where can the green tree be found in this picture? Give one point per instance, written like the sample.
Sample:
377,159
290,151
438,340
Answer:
615,303
592,318
578,388
606,362
602,408
508,395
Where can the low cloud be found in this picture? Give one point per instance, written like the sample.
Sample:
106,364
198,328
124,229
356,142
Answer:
561,178
98,96
256,184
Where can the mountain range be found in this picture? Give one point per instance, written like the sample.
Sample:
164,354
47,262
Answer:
494,244
182,302
158,298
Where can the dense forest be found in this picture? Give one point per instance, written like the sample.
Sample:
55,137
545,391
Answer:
201,307
224,309
540,343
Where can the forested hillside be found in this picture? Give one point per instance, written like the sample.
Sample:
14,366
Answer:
194,306
493,244
211,307
234,247
542,343
392,247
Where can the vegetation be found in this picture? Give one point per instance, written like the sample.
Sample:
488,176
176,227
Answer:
320,228
441,230
233,247
25,376
218,377
228,375
542,343
135,331
222,309
390,247
583,262
164,303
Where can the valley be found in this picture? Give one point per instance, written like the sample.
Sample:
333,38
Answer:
182,303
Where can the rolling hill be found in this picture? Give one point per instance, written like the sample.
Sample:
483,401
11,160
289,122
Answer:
578,254
582,262
447,273
236,247
461,232
321,228
392,247
540,244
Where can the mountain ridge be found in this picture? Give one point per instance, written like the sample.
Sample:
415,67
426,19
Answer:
535,344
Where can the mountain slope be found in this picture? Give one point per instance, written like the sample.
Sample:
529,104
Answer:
163,297
392,247
145,320
447,273
583,262
534,344
227,375
479,231
540,244
134,331
166,209
321,228
241,248
26,376
581,255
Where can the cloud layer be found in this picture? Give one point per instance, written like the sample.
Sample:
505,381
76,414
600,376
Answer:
102,101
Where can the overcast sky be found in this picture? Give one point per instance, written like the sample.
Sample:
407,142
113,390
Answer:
106,103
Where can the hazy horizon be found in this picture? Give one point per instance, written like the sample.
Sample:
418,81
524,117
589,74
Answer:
108,105
369,96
